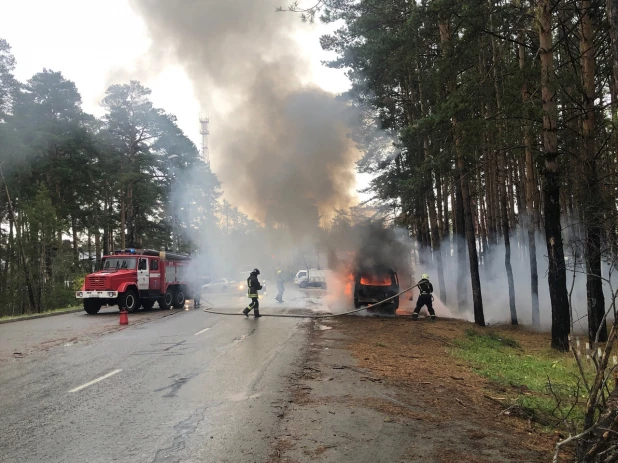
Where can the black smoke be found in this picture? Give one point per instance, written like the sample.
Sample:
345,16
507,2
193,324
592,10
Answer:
280,146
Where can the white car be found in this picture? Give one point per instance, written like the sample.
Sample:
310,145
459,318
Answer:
219,285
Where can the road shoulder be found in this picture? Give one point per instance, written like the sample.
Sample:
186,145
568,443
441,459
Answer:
51,313
384,390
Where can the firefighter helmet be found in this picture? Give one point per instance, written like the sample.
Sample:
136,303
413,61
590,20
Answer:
425,276
256,271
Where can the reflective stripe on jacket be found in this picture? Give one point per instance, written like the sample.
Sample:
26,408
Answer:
253,285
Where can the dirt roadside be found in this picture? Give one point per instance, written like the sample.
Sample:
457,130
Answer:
385,390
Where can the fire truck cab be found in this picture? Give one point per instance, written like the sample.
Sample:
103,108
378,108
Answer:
137,278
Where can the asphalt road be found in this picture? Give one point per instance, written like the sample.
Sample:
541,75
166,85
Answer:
191,387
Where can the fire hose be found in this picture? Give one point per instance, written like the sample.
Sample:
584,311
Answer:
317,316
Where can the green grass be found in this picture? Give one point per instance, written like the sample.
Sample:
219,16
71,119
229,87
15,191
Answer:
526,377
54,311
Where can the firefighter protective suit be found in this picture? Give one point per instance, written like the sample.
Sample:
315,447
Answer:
253,286
425,298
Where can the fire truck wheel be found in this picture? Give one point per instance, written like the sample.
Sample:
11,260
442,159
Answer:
165,302
303,284
91,306
179,299
129,300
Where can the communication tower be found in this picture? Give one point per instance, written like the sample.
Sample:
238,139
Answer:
204,132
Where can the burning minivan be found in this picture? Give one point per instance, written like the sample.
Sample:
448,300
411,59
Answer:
375,284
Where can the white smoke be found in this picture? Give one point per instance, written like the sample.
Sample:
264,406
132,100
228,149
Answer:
494,284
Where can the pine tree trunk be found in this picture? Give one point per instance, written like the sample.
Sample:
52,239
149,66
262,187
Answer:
520,224
426,229
131,225
459,238
477,297
97,249
445,222
10,265
75,241
510,196
418,227
551,185
483,223
492,205
521,204
530,194
612,16
593,211
89,247
41,286
439,205
106,220
446,235
435,234
503,184
97,236
123,221
507,253
8,258
496,187
539,206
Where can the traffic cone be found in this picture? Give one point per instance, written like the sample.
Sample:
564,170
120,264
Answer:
124,317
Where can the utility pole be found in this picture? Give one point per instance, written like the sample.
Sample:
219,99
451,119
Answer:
204,133
172,210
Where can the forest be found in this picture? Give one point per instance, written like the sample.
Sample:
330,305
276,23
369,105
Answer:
74,187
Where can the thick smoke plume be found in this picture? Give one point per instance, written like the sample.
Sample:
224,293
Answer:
367,245
279,146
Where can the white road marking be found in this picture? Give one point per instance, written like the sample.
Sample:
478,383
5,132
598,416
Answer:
200,332
94,381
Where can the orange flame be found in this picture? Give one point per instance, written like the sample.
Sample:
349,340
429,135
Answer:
348,285
375,280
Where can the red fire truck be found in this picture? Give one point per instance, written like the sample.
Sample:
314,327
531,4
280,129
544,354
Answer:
134,278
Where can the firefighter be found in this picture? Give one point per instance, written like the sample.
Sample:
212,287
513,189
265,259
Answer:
280,287
253,286
197,296
197,290
425,298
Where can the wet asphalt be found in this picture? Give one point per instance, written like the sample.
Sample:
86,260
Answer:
192,387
